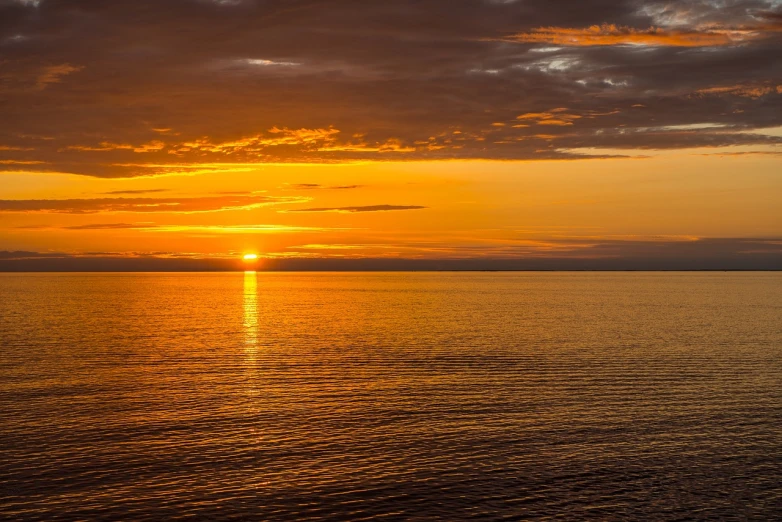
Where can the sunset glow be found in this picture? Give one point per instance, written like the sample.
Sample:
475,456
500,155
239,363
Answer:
323,260
647,133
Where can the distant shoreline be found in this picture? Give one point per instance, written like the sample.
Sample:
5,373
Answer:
401,271
54,262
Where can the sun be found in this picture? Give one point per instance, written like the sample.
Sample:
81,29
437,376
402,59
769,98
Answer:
250,257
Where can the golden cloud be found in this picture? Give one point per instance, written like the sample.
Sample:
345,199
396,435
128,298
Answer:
555,117
152,146
743,90
54,74
145,205
611,34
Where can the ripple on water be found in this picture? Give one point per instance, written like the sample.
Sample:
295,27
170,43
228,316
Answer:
391,396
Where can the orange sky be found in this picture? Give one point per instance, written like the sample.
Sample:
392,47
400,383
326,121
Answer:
499,132
448,209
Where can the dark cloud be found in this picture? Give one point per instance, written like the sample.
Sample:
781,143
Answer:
22,255
134,192
316,186
142,205
109,226
252,228
95,226
352,210
143,87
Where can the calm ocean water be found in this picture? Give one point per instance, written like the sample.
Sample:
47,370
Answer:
409,396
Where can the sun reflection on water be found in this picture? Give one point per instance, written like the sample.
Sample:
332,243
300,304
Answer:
251,311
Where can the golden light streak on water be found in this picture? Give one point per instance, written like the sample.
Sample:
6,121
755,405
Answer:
251,312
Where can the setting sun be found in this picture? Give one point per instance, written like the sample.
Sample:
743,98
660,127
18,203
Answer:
250,257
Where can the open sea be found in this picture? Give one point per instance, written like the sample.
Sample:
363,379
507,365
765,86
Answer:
391,396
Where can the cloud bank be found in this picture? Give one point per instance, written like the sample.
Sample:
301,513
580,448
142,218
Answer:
124,89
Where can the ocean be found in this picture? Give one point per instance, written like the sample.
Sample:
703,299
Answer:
391,396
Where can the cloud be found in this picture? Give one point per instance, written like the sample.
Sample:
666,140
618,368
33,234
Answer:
611,34
133,192
326,82
352,210
200,229
745,153
745,90
324,140
327,247
21,162
259,62
558,117
274,137
316,186
152,146
54,74
109,226
143,205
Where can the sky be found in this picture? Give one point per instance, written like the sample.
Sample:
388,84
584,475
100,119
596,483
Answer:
339,134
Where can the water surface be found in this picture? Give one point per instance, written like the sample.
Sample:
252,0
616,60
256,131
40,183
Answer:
407,396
